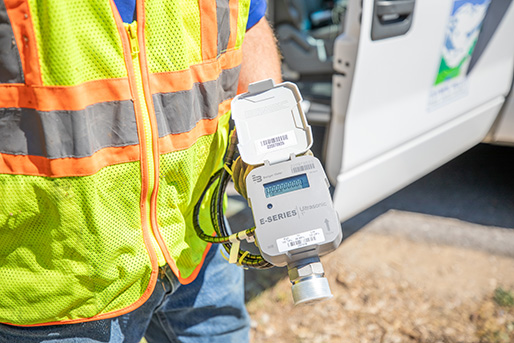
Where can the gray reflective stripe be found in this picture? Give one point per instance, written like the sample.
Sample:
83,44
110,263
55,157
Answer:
179,112
59,134
223,19
10,63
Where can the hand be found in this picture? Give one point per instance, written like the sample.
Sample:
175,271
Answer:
240,171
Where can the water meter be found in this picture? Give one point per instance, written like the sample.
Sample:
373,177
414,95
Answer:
289,192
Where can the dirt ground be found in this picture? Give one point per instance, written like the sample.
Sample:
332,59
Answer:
391,287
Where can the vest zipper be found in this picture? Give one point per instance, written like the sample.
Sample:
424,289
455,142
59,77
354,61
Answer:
147,127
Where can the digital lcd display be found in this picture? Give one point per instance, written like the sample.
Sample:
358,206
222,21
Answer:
286,185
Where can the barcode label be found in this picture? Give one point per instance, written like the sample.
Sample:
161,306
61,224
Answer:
300,240
277,142
302,167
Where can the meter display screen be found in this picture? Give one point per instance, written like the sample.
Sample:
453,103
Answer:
286,185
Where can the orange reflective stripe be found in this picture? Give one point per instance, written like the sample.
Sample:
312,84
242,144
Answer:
72,98
63,167
208,29
234,14
19,14
184,140
183,80
67,98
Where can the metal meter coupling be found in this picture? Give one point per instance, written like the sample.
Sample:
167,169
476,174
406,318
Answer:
289,194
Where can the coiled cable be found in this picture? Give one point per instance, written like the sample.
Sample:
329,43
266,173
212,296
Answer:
220,181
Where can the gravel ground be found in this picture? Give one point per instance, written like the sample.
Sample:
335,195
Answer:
405,277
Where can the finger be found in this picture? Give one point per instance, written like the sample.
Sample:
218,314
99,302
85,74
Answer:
237,171
242,179
248,168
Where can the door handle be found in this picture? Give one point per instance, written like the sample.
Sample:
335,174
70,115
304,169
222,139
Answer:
391,18
394,7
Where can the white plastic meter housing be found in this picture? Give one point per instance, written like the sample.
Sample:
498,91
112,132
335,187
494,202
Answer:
270,123
292,210
289,194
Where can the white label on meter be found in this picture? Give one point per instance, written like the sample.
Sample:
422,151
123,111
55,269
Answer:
300,240
276,142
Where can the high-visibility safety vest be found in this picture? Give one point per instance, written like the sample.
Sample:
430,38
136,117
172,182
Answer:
109,132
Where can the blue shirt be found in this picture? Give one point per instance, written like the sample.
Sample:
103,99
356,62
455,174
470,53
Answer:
127,9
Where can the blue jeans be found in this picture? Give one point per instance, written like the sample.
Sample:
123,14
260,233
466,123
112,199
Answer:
210,309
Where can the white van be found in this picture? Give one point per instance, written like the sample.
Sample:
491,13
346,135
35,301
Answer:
402,86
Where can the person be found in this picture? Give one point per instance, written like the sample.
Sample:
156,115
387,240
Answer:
113,117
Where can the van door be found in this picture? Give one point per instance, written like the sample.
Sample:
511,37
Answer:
417,83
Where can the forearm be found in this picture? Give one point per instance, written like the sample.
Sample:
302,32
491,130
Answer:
261,59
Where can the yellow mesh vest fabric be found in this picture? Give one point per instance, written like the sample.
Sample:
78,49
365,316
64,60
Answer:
184,175
244,8
74,242
77,41
72,247
183,30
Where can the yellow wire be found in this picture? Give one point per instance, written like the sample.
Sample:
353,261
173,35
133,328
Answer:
229,171
240,262
223,254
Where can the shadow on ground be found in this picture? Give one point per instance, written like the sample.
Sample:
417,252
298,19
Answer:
477,187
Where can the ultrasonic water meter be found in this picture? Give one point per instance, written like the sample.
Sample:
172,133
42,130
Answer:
289,193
